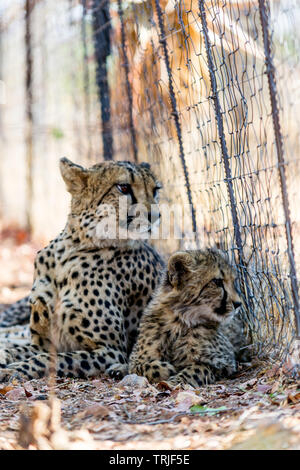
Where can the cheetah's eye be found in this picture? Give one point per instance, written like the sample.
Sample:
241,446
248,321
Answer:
124,188
218,282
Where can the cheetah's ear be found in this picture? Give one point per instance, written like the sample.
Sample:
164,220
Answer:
75,176
180,263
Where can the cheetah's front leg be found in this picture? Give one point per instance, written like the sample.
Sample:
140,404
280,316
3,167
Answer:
81,364
9,368
17,353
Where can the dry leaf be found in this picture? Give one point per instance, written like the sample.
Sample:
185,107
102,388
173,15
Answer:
27,392
273,372
186,399
294,397
5,390
141,407
16,394
280,399
97,383
275,387
93,410
249,383
264,388
195,399
163,386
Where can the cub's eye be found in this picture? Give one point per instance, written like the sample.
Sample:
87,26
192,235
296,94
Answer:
218,282
124,188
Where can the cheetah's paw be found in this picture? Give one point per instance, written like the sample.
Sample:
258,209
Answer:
118,371
8,375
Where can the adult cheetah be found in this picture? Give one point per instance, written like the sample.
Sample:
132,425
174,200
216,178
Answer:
188,334
90,290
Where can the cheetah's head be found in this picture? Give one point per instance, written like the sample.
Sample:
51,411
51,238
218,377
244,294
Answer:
201,287
111,200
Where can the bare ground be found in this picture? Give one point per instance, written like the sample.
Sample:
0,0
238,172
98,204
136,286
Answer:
258,409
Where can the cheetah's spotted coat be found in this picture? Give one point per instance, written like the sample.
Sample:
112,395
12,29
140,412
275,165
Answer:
88,294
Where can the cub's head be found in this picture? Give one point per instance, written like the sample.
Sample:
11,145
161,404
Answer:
201,287
111,200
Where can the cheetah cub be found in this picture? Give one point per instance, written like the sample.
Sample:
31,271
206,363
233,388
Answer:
188,334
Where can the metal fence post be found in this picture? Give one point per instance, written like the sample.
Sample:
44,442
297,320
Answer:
86,79
270,71
29,5
224,150
128,86
175,115
102,28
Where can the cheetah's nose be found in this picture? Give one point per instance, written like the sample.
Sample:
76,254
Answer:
237,304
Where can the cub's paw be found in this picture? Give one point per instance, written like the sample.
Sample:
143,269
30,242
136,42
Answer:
244,356
193,376
181,382
157,371
117,371
230,369
177,381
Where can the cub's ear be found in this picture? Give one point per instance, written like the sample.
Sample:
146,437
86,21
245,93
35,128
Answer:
75,176
179,265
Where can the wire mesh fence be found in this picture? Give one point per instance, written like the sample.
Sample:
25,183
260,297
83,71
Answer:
205,91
